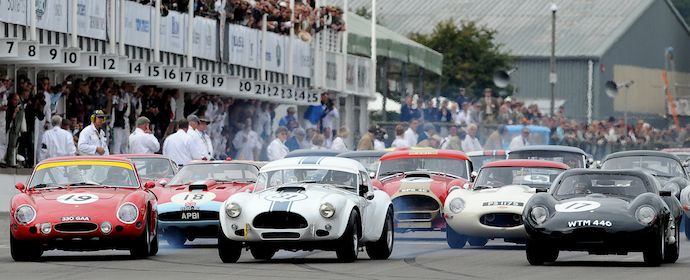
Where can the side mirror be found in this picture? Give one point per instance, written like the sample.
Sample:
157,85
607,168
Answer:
20,186
149,185
473,176
369,195
685,164
664,193
372,174
376,184
163,182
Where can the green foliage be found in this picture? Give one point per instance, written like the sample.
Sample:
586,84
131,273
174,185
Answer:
470,56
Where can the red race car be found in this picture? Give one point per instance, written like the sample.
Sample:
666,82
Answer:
153,167
83,204
418,181
190,203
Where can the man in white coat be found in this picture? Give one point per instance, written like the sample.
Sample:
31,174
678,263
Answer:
92,141
57,142
200,143
277,149
247,142
176,146
471,143
142,141
520,140
411,133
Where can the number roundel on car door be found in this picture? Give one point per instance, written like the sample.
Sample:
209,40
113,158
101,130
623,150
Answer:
197,197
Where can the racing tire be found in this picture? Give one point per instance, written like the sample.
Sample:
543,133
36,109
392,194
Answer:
176,239
382,248
262,253
538,253
229,251
347,246
686,222
141,247
654,253
154,245
672,251
23,251
477,241
454,239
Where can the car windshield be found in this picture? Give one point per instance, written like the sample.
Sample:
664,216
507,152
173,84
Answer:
84,174
606,184
535,177
444,165
370,163
276,178
479,161
573,160
658,166
220,172
153,168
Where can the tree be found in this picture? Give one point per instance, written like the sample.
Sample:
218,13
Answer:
470,56
683,7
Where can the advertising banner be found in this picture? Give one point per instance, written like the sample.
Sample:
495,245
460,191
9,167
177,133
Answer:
204,38
91,18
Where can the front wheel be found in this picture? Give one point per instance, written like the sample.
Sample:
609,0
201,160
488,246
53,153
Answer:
673,250
454,239
142,245
229,251
348,244
477,241
381,249
654,253
262,253
538,253
23,251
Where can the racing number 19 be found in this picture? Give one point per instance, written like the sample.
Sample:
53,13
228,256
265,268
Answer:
77,198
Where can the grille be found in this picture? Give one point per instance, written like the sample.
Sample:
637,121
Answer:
76,227
415,203
413,216
279,220
269,235
501,220
177,216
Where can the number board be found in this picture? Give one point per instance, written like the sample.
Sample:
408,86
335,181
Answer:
109,63
154,70
89,60
9,47
187,75
71,57
204,79
136,67
50,54
171,73
220,81
275,92
29,50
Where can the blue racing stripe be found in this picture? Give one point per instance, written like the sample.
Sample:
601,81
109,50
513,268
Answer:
283,206
311,160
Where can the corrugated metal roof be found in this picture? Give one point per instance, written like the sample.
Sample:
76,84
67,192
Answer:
585,28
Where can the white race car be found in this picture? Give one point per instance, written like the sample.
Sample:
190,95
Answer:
492,206
308,203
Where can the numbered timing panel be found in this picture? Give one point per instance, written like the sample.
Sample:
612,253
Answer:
277,92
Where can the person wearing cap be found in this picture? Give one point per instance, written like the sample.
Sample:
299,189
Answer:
277,149
521,140
471,142
142,141
367,141
92,141
56,142
200,143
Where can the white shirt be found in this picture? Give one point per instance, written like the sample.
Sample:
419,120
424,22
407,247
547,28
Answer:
400,142
339,145
57,142
200,144
411,137
518,142
463,117
246,142
276,150
329,118
379,145
90,139
471,144
263,123
141,142
176,147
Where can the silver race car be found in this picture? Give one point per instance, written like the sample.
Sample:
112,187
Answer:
308,203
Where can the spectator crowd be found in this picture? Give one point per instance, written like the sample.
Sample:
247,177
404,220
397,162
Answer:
308,18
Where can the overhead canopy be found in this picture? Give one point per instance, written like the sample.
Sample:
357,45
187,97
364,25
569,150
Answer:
390,44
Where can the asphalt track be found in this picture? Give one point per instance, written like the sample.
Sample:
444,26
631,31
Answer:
415,256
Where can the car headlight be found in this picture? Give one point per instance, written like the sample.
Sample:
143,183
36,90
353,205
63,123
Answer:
233,210
645,214
539,214
456,205
128,213
326,210
25,214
